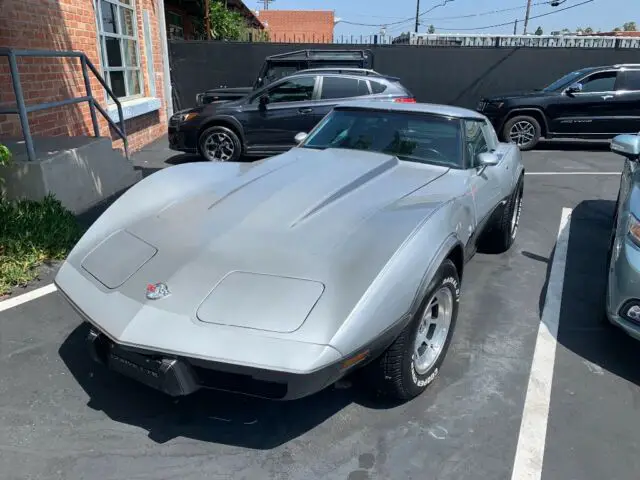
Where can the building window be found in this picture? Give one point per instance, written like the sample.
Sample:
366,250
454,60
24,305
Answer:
117,29
176,27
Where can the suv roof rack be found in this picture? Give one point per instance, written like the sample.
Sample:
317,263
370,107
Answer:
322,54
347,71
351,70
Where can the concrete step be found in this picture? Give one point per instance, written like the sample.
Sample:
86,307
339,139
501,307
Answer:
80,171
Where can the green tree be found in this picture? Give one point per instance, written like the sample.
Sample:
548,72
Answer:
431,29
630,27
539,31
617,29
225,24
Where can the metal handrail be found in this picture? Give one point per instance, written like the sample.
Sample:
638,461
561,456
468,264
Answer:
22,109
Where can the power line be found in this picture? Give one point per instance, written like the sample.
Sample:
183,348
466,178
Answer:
401,25
530,18
410,19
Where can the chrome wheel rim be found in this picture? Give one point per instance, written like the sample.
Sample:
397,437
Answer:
522,132
515,217
433,330
218,147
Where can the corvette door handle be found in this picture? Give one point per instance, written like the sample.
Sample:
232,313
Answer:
305,110
607,97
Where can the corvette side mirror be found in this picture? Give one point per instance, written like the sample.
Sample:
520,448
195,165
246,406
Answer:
300,137
487,159
627,146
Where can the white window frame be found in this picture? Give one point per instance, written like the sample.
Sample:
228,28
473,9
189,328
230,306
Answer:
102,35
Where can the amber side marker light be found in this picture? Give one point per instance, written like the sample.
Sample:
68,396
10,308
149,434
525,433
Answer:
350,362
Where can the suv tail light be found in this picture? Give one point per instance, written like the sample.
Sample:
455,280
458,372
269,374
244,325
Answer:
404,100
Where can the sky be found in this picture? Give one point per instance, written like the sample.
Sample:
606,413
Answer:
598,14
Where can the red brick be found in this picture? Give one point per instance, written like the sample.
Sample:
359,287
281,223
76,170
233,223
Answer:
68,25
298,25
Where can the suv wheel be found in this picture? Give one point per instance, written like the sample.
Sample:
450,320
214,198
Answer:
220,144
523,130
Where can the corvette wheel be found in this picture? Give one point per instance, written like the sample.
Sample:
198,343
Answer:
220,144
501,236
413,360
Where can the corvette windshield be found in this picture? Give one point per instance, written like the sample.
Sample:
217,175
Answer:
411,136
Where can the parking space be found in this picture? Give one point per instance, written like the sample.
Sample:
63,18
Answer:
63,417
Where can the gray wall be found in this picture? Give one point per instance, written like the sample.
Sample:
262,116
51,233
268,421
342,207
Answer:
450,75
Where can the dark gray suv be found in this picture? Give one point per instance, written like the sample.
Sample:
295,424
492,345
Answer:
266,121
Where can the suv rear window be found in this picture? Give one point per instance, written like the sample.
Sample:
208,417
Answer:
377,87
341,87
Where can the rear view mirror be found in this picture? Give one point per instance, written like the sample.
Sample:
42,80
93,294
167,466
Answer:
627,146
487,159
300,137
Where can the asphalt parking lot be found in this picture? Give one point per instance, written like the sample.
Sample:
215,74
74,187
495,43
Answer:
62,417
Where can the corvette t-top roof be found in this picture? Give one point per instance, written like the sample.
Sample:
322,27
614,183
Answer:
432,108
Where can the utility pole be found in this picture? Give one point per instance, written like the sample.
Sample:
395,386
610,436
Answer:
526,17
515,27
417,14
266,3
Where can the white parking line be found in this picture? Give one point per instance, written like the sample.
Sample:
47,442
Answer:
533,429
27,297
572,173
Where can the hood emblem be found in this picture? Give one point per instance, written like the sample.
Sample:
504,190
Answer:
156,291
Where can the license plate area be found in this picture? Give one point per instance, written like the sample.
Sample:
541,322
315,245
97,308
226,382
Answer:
144,369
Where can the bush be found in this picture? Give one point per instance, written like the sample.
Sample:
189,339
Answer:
31,233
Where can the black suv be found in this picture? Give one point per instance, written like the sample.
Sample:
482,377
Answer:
592,103
266,121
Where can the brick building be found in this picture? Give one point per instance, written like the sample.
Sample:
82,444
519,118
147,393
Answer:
124,39
185,18
315,26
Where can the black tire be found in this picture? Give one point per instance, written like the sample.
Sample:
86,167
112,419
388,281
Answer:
502,234
226,144
394,373
528,122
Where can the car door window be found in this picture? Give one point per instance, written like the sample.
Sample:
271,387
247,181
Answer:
341,87
631,80
298,89
475,141
599,82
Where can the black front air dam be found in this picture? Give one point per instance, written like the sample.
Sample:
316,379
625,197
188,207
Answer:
169,375
183,376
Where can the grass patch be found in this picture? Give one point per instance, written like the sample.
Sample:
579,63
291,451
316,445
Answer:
31,233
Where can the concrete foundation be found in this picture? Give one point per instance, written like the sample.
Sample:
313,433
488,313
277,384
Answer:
80,171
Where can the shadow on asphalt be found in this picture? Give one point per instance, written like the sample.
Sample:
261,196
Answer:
583,328
573,146
207,415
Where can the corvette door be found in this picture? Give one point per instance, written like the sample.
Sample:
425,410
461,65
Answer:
485,183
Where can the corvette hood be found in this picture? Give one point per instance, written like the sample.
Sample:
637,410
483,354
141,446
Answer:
269,246
302,210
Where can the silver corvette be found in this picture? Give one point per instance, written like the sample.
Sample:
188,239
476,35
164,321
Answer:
279,277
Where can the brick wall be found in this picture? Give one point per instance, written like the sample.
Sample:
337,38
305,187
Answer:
71,25
315,26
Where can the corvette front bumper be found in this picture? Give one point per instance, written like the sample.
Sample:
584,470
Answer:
178,376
